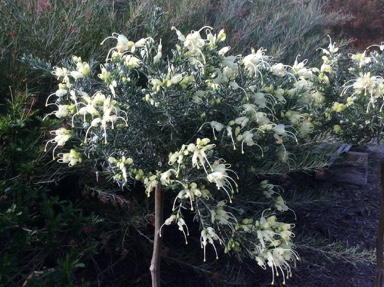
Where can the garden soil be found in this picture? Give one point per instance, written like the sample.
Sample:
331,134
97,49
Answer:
348,219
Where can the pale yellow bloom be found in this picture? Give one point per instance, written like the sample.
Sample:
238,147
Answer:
337,107
337,129
72,158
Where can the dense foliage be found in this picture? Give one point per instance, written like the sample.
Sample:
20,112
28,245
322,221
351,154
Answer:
69,226
202,124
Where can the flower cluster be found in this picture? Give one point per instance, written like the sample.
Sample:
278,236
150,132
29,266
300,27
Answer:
209,235
274,247
121,164
352,109
62,135
72,158
96,114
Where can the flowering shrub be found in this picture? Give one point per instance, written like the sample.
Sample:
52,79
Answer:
354,103
200,125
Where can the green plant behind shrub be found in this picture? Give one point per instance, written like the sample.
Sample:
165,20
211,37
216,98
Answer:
49,30
284,28
36,226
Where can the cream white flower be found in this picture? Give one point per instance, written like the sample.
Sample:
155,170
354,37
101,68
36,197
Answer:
190,191
62,135
123,44
252,61
165,177
63,111
301,70
361,58
60,72
224,50
278,70
216,126
208,235
159,54
180,36
60,93
306,128
180,223
150,183
280,204
221,36
220,177
83,68
259,99
105,75
131,61
72,158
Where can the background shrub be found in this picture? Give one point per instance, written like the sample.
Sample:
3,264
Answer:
365,26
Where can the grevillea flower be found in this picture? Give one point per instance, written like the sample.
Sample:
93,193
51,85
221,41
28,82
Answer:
122,165
60,72
105,75
279,70
280,204
221,216
216,126
62,135
276,247
76,75
123,44
366,84
180,223
165,177
332,48
72,158
150,183
159,54
221,36
301,70
199,157
193,42
253,61
361,58
131,61
305,128
281,132
64,111
190,191
337,107
208,235
220,177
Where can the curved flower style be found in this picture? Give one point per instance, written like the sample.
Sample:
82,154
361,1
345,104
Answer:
62,135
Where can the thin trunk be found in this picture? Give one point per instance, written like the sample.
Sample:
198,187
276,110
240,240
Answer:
156,255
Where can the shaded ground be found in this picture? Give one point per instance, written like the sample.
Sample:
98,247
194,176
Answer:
345,224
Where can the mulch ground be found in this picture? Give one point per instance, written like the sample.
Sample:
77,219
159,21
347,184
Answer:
347,217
